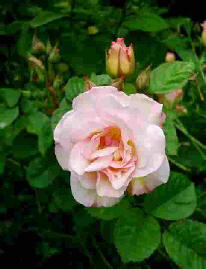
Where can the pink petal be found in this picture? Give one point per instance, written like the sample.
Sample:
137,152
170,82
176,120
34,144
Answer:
99,164
148,107
103,152
147,184
87,197
62,155
88,180
119,180
77,161
150,150
104,187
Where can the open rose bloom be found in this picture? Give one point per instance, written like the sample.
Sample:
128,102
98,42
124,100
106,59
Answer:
112,143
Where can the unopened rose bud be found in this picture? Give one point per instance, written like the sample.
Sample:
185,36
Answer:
170,57
54,56
143,80
169,99
93,30
203,35
37,45
120,59
35,62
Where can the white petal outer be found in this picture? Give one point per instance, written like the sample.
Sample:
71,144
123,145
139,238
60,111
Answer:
62,156
158,177
89,197
88,99
81,195
88,180
150,145
104,187
151,181
77,162
149,107
76,126
106,201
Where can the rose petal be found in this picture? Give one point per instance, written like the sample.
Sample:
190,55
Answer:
147,184
99,164
150,150
77,161
103,152
149,107
88,180
62,155
89,197
104,187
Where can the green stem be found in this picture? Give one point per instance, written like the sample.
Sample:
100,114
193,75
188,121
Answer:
179,165
107,264
37,201
180,127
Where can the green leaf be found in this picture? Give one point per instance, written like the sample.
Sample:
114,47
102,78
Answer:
40,173
170,76
148,22
100,80
171,137
63,199
129,88
10,96
39,124
74,87
45,17
173,200
7,116
109,213
136,236
24,146
186,244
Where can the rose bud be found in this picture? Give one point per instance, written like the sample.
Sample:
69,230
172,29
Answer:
120,59
169,99
35,62
112,143
203,35
37,45
54,56
143,80
170,57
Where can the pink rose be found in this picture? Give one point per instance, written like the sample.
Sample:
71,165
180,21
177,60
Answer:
112,142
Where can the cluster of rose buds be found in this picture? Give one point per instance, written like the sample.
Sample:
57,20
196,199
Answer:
120,59
42,56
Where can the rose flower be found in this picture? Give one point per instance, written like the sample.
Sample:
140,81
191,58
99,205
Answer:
112,143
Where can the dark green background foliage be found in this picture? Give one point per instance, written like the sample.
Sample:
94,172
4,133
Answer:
40,222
